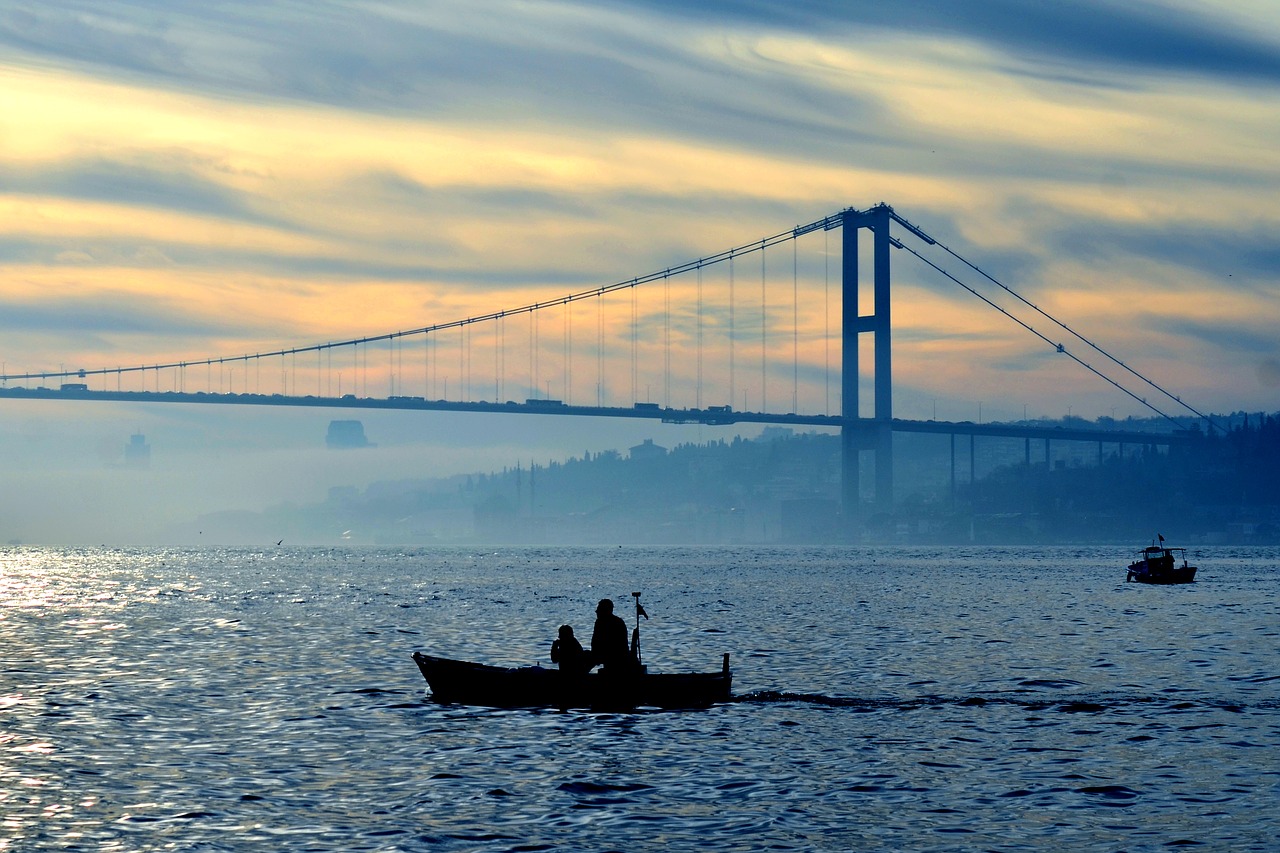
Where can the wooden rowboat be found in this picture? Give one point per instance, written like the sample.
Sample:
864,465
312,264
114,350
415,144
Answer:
467,683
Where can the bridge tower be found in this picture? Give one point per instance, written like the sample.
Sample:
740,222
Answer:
858,433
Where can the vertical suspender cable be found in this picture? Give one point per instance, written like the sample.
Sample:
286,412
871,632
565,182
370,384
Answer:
732,378
634,398
698,389
599,349
666,340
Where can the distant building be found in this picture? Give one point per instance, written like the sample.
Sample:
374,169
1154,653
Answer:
137,453
344,435
648,450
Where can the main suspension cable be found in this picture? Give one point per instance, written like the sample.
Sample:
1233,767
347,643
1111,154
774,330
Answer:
1076,334
1057,346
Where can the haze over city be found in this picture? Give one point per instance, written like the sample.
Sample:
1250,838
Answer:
182,181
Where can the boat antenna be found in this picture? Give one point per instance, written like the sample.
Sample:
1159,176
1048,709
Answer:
635,635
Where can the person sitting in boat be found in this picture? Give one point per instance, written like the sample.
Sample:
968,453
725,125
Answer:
568,652
609,644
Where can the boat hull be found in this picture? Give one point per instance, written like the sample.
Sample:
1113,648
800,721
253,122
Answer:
1142,574
467,683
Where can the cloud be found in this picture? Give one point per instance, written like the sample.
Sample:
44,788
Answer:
141,181
121,329
1231,259
1269,372
1256,338
626,68
1104,34
549,66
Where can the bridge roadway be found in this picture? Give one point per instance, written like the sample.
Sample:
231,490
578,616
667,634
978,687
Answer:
711,416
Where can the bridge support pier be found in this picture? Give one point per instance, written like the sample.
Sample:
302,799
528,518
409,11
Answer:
858,433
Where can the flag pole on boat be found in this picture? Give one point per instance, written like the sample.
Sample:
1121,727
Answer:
635,635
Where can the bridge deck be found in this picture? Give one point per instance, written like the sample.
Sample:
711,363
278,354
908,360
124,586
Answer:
712,415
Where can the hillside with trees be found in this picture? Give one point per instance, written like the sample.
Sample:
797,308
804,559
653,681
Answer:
1224,486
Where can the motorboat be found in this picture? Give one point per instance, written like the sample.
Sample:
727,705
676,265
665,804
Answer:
1159,564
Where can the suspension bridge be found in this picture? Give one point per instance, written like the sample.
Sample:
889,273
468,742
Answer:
709,341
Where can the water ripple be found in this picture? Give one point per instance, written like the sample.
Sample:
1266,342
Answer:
157,699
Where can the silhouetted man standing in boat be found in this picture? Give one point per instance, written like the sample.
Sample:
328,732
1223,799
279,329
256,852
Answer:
609,645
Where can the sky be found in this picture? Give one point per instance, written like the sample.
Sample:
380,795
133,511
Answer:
181,181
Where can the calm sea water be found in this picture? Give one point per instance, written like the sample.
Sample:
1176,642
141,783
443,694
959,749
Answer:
887,699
